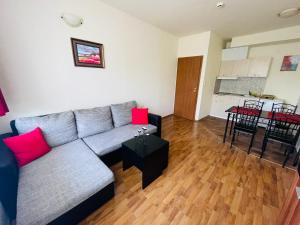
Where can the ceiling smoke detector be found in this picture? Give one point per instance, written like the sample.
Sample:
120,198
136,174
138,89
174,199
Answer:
289,12
220,5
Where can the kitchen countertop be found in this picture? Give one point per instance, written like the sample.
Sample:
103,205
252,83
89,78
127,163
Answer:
233,94
246,96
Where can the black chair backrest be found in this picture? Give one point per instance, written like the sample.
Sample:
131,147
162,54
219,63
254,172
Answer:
253,104
249,114
284,108
284,126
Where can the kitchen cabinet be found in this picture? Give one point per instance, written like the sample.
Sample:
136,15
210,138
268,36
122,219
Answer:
259,67
241,68
254,67
220,103
227,68
236,53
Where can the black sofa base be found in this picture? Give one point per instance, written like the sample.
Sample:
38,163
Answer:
81,211
112,158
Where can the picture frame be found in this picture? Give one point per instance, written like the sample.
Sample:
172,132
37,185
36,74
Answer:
87,53
290,63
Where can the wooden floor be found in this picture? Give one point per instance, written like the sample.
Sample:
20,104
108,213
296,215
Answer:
205,183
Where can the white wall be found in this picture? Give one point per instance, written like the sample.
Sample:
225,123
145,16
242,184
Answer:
283,84
208,45
284,34
37,74
214,56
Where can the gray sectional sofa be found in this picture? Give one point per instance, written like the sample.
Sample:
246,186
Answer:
73,179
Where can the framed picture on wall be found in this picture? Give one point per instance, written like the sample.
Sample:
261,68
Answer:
290,63
87,53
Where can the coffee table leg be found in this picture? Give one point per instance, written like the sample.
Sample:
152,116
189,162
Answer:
149,176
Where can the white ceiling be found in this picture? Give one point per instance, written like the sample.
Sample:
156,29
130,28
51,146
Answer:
184,17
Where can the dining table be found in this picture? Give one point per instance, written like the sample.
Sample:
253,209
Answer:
264,117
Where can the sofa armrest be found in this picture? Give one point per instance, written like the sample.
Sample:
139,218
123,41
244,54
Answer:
156,121
9,175
4,220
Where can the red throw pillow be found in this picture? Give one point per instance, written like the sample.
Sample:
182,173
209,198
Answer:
139,115
28,147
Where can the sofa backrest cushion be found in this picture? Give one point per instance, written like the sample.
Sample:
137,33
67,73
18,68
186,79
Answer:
93,121
9,179
58,128
121,113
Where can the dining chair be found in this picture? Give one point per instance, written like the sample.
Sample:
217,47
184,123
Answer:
246,120
253,104
285,129
284,108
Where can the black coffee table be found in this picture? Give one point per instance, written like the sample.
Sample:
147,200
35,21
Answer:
149,154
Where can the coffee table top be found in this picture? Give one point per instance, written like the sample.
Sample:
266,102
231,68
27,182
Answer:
151,144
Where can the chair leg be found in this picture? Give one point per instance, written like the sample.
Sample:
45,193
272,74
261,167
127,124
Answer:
290,149
232,122
233,137
286,149
251,143
264,146
296,158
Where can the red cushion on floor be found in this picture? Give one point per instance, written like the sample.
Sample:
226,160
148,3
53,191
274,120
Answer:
139,115
28,147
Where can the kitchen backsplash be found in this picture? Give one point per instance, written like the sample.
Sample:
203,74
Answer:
242,85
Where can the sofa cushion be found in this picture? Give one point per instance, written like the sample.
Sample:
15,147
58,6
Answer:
93,121
111,140
139,115
59,181
28,147
58,128
121,113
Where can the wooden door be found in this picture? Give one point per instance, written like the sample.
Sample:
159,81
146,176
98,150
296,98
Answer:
187,84
290,211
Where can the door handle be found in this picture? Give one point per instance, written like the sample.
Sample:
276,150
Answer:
195,89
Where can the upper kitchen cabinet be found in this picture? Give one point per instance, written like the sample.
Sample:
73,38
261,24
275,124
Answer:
254,67
259,67
226,69
235,53
241,68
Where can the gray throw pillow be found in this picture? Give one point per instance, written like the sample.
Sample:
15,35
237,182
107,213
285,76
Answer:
58,128
121,113
93,121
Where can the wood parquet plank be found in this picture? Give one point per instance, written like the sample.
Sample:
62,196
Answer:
206,182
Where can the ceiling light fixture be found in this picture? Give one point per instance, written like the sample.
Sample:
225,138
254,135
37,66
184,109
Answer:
220,5
289,12
71,19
